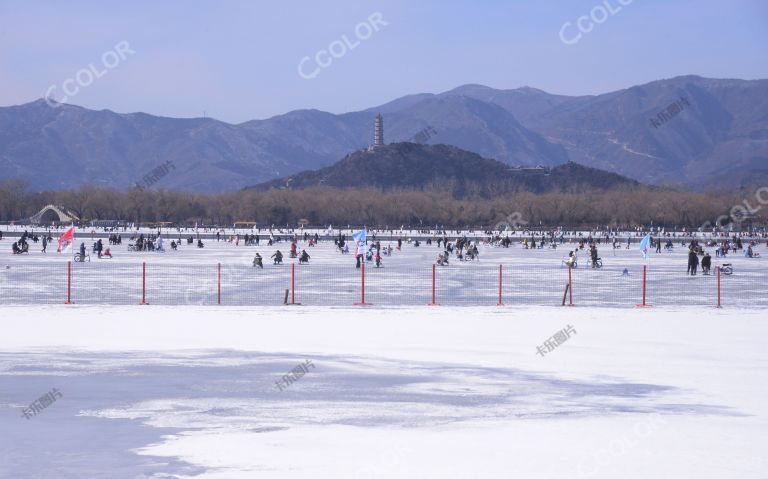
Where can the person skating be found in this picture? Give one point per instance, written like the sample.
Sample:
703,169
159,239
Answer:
278,256
257,261
304,258
45,243
593,255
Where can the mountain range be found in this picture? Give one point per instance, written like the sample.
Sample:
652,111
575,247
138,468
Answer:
687,130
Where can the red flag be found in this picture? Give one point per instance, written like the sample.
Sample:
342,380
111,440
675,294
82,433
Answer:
66,240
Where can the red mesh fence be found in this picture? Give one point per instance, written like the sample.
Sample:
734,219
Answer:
458,284
669,286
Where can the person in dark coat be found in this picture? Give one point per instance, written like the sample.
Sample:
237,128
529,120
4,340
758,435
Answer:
693,261
706,263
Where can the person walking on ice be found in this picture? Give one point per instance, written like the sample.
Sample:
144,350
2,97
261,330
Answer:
693,261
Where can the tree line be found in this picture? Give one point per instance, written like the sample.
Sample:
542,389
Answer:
321,206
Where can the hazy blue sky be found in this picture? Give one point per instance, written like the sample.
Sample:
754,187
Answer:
239,60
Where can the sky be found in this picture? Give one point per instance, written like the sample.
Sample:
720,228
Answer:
241,60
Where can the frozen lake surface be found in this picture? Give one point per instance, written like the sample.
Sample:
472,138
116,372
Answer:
530,277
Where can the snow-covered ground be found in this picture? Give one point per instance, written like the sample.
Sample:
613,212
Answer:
419,393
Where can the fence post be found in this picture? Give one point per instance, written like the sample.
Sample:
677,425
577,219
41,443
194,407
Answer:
500,303
218,268
362,279
293,283
718,287
570,287
69,283
143,283
434,289
644,304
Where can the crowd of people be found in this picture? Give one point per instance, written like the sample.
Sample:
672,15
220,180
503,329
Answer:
22,245
456,247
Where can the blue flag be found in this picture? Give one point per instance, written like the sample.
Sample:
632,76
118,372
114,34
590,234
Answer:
645,243
359,236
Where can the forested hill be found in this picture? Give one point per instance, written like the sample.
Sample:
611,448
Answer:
419,167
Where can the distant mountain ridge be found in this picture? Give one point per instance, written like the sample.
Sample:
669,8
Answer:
417,167
720,137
